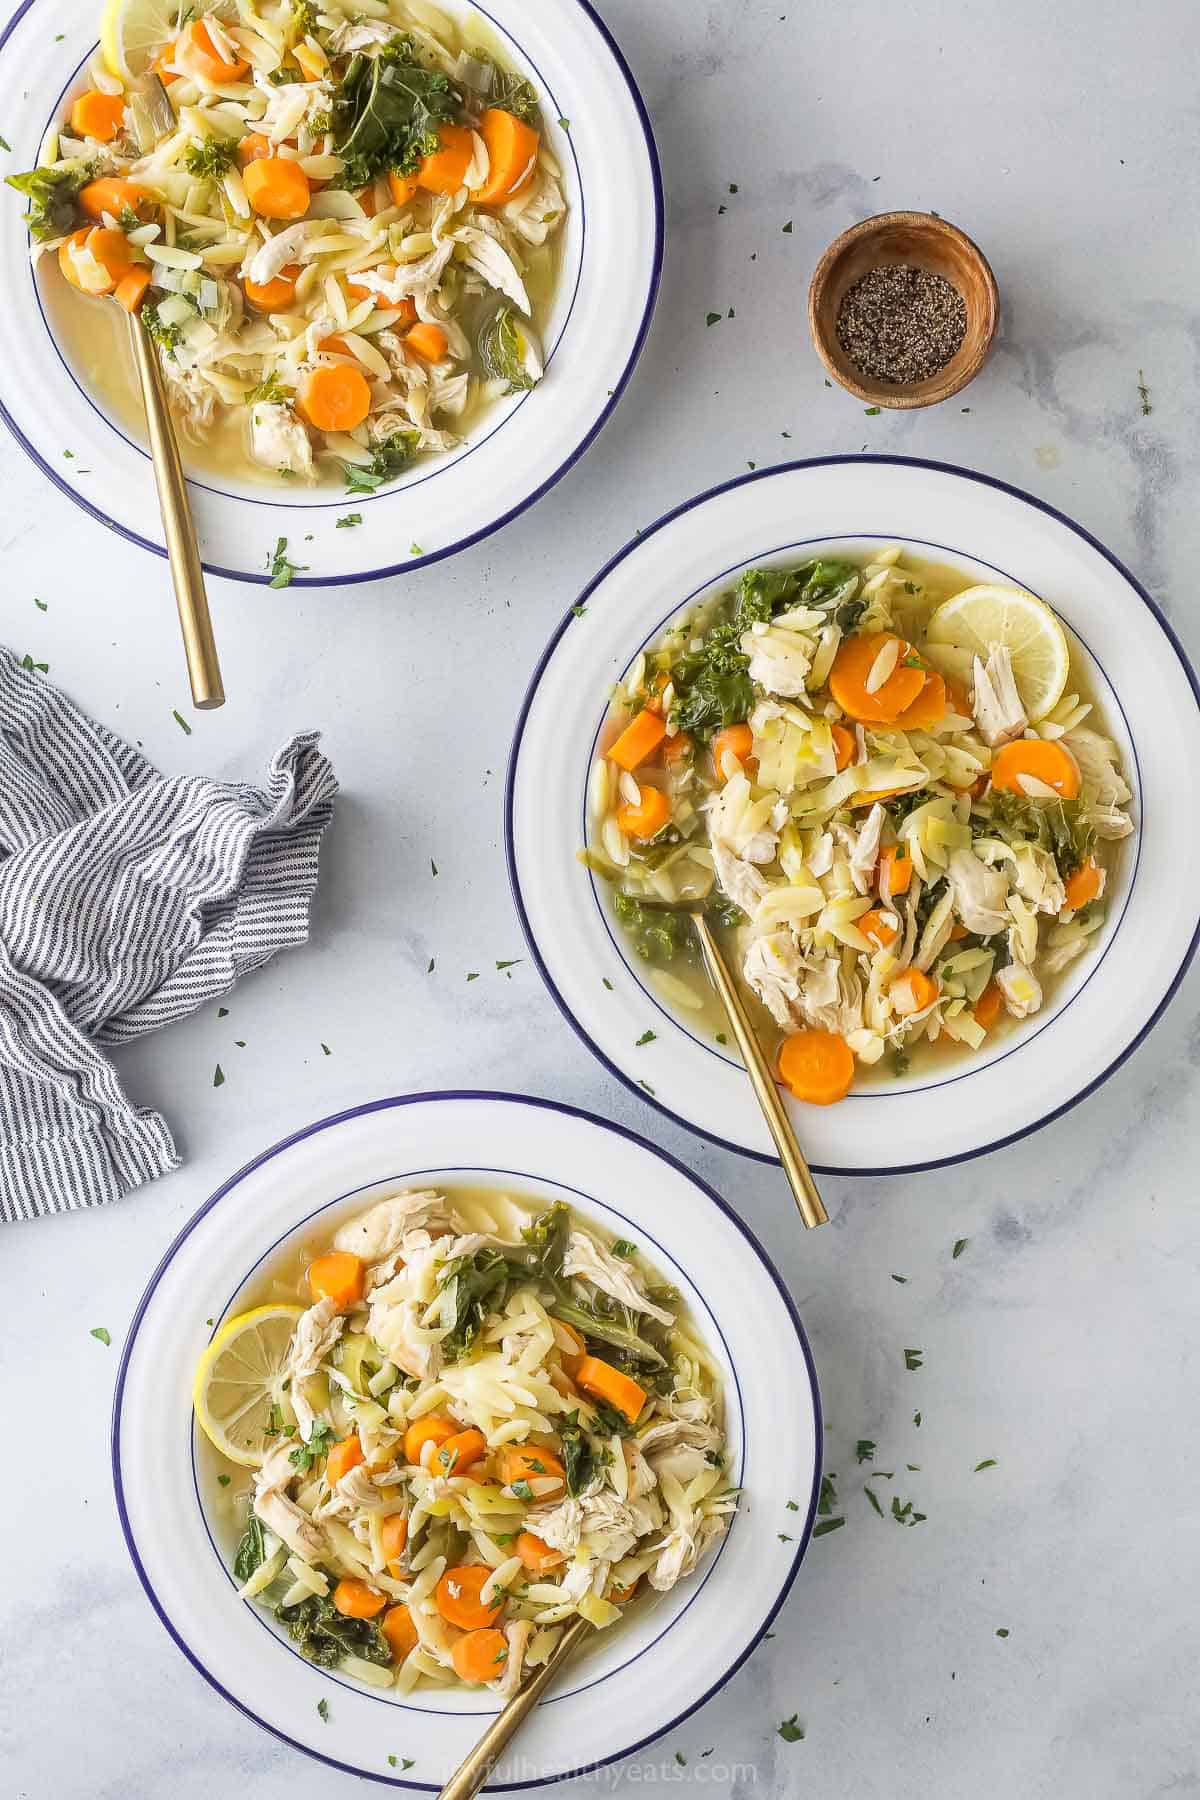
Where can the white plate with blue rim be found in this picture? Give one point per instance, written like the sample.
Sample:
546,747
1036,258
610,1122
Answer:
1150,702
599,130
662,1660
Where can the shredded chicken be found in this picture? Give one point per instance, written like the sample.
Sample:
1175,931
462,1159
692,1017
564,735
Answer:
999,713
586,1258
317,1331
979,893
1021,989
774,969
279,440
779,660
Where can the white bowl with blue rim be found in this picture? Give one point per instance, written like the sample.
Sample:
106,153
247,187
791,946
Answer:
600,133
1150,702
665,1658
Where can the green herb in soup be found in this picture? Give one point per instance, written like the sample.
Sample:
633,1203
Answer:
890,789
342,232
465,1422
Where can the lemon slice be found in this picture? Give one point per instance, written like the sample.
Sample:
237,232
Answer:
240,1378
1037,644
132,32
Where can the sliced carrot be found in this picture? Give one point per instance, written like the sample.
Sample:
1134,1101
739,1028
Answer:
66,262
204,56
879,926
163,67
896,863
130,291
599,1379
1085,885
1039,757
97,115
989,1005
427,341
457,1597
274,295
276,187
401,187
817,1066
110,194
739,741
400,1632
512,148
845,746
958,932
335,397
679,748
927,709
335,345
640,739
356,1600
869,796
433,1429
850,672
531,1462
111,250
445,171
538,1557
337,1276
393,1535
621,1596
480,1656
648,817
571,1359
957,697
459,1452
344,1456
912,991
254,147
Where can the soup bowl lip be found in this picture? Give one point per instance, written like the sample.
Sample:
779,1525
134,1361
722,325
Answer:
797,465
425,558
486,1096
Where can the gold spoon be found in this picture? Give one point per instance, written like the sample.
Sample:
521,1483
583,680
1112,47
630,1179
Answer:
179,530
766,1091
475,1768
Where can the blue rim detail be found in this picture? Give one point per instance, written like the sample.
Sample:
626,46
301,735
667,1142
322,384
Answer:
464,543
893,1090
451,1094
680,511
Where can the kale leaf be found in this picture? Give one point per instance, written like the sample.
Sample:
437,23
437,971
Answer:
1054,825
500,350
251,1552
388,459
476,1284
579,1460
712,685
53,196
325,1635
658,936
387,111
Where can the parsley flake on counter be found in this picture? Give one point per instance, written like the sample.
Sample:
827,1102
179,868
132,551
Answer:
1002,1631
40,604
960,1245
182,723
473,975
828,1499
872,412
917,1420
873,1497
327,1050
433,866
27,662
323,1710
902,1279
681,1759
791,1730
864,1450
648,1088
989,1462
828,1525
712,318
401,1762
512,963
429,970
222,1012
608,984
788,228
282,571
784,1538
99,1332
905,1515
1143,390
218,1076
647,1037
793,1506
347,520
912,1359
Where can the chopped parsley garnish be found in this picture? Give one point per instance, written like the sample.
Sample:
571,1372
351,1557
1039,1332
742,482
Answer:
912,1359
864,1450
323,1710
182,723
305,1455
210,159
387,460
989,1462
647,1037
224,1480
98,1331
960,1245
828,1499
348,520
282,571
712,318
827,1525
271,391
791,1730
522,1490
905,1514
624,1248
218,1076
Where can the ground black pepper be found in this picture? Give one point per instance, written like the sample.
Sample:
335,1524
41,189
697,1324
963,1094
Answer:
899,323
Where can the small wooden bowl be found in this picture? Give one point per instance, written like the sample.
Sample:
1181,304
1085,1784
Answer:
924,242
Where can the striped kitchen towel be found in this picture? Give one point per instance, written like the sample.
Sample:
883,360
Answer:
127,899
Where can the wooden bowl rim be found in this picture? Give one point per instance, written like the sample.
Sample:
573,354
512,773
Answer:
984,311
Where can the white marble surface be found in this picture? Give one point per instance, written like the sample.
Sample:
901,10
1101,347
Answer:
1061,1343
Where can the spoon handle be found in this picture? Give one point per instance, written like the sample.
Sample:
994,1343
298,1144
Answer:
204,670
804,1188
475,1768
